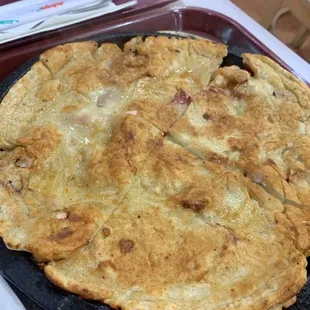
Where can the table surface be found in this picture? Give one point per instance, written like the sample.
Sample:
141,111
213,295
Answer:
8,299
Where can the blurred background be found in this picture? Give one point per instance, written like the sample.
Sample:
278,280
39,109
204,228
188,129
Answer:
287,25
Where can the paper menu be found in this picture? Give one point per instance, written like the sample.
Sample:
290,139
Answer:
87,9
14,17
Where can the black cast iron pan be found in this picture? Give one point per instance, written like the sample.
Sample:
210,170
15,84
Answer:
18,268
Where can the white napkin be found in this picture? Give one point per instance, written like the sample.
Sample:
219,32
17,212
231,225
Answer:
8,299
27,12
59,20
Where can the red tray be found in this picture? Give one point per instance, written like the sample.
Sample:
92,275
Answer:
146,16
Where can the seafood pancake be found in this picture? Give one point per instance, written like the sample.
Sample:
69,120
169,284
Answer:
188,234
149,178
51,204
258,124
76,132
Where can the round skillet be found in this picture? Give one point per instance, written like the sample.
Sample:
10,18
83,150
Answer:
19,268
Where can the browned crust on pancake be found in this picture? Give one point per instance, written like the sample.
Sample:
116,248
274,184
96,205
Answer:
131,143
41,142
257,62
226,249
153,57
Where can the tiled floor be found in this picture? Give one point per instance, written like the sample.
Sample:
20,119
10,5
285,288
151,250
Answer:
287,25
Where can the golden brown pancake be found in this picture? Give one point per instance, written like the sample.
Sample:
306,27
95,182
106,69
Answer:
257,124
91,183
188,234
53,200
74,135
